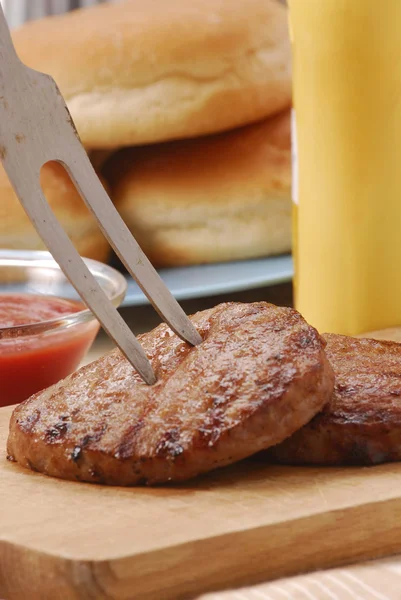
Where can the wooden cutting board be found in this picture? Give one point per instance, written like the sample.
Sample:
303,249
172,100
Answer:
247,523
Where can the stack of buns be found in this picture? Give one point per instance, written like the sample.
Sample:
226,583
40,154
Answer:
186,107
17,232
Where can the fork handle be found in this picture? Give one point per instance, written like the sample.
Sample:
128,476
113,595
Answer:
25,144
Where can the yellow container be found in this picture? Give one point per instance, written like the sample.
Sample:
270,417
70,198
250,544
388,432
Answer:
347,180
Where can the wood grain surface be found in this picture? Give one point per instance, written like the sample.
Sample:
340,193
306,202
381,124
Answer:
241,525
375,580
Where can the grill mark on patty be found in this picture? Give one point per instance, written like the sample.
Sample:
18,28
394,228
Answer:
77,452
125,449
168,445
28,424
57,432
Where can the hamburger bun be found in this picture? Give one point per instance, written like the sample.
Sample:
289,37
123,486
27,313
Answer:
17,232
99,158
144,71
218,198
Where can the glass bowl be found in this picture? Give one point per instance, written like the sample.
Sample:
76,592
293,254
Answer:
36,355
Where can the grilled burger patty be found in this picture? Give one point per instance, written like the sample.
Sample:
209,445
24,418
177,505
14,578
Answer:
362,423
259,375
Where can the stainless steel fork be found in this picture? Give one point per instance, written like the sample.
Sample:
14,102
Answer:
36,127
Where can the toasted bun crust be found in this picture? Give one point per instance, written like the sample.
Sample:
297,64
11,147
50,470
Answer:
17,232
142,71
218,198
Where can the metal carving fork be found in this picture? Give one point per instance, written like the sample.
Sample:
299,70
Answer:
36,127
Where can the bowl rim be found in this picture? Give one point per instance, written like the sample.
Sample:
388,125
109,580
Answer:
42,258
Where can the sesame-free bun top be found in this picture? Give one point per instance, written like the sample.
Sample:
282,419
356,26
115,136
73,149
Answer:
141,71
17,232
215,198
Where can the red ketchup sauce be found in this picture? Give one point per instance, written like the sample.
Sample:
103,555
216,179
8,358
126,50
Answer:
32,362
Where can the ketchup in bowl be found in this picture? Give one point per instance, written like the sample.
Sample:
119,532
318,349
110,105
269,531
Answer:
40,343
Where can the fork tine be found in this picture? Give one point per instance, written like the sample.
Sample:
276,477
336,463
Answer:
74,268
36,127
94,195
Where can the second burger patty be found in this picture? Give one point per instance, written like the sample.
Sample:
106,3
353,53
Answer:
361,425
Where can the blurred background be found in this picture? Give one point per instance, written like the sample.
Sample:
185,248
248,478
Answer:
220,230
19,11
